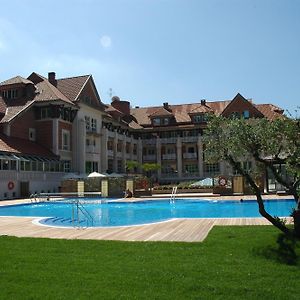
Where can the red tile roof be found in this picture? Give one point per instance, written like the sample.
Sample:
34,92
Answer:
48,92
182,112
16,80
22,146
16,108
71,87
270,111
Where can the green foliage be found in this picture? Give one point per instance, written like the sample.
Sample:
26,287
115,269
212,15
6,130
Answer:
148,167
273,142
229,264
131,165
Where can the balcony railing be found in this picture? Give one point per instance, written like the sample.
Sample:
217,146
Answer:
190,155
189,139
92,149
149,157
172,140
169,156
149,141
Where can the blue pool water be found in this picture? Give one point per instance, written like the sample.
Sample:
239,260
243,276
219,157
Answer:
122,213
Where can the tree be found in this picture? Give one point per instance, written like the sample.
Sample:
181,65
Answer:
131,165
269,143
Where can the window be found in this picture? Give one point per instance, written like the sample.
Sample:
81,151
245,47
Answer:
166,121
10,94
67,166
212,168
191,150
245,165
191,168
127,148
119,147
45,112
151,151
156,121
246,114
110,145
32,134
87,142
94,125
119,166
199,118
134,149
66,140
87,123
110,164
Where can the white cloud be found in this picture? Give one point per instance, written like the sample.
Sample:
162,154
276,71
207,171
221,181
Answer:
105,41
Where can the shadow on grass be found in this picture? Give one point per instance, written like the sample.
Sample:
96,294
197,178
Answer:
287,251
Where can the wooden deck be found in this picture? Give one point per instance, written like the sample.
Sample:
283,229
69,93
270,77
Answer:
183,230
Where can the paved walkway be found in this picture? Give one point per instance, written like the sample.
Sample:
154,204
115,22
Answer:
185,230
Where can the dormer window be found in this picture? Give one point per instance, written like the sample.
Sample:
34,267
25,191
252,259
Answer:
166,121
10,94
156,121
160,121
199,118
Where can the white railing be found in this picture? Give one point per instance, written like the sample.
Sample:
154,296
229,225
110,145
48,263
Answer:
189,139
190,155
172,140
149,141
173,195
169,156
92,149
151,157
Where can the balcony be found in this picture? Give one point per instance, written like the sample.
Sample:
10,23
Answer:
92,132
189,139
172,140
190,155
171,156
92,149
110,152
149,142
149,157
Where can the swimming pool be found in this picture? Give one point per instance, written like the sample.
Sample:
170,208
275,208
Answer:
114,213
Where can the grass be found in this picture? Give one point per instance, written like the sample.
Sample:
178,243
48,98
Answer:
232,263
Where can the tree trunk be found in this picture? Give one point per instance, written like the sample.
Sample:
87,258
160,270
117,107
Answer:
275,221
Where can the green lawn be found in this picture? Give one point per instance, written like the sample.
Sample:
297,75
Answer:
232,263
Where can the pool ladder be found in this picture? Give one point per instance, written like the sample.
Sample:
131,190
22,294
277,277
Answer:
78,208
173,195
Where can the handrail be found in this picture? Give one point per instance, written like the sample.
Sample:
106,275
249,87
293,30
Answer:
173,195
83,210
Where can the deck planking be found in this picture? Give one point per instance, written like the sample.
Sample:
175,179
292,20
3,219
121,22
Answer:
180,230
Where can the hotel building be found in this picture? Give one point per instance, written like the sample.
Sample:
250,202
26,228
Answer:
50,127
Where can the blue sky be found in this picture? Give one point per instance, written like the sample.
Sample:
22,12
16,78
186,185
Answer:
151,51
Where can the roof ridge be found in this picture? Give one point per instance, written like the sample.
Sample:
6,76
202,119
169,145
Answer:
72,77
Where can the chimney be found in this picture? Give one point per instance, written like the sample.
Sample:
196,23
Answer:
51,78
203,102
121,105
166,105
